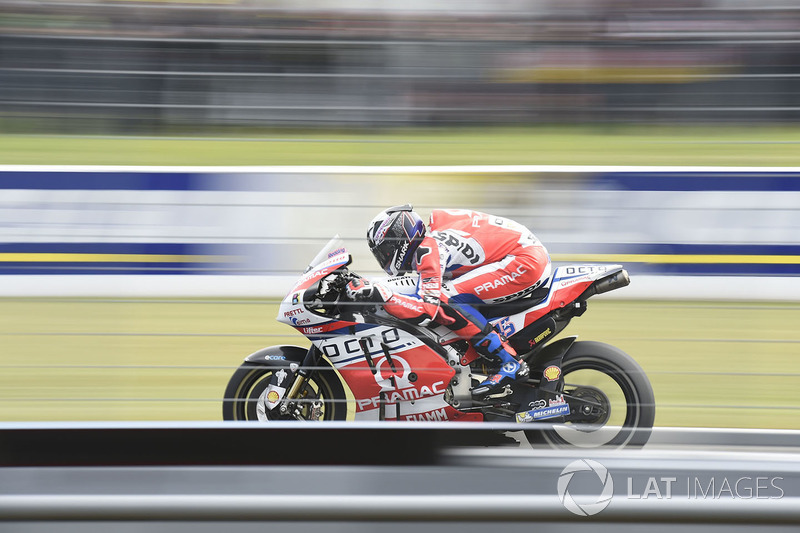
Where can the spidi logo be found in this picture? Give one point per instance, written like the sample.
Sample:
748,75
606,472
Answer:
585,505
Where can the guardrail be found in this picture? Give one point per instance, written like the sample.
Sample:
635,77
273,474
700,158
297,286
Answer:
276,443
356,472
394,508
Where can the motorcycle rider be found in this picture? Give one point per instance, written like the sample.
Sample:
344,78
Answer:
482,258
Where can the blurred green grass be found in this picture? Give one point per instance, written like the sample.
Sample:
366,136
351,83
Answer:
715,364
753,145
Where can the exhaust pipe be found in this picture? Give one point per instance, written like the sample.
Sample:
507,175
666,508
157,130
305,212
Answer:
614,281
617,280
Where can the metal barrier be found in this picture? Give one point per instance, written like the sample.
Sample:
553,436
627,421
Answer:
390,472
394,508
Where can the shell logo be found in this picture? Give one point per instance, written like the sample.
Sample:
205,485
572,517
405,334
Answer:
273,396
552,373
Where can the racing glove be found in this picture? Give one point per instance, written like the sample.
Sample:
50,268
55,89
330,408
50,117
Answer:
362,290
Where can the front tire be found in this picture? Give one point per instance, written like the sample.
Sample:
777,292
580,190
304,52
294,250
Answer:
632,414
249,382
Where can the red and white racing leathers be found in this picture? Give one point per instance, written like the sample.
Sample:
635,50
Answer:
472,256
493,258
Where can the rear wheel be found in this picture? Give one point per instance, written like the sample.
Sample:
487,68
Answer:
618,407
321,398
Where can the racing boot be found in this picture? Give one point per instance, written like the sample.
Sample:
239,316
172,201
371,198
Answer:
489,343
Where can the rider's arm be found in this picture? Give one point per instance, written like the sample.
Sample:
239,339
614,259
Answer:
430,262
398,305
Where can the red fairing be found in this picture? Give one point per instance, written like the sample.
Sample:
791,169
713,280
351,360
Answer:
312,277
417,373
323,328
445,413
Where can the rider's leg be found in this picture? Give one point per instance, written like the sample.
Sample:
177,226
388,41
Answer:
471,325
466,322
508,279
490,344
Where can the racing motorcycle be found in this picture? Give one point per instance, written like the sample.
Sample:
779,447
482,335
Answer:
364,364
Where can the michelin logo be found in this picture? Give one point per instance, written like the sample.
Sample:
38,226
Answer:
543,413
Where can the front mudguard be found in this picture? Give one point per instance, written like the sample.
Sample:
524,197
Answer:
280,356
286,362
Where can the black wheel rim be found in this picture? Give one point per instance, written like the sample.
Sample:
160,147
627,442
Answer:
565,435
253,385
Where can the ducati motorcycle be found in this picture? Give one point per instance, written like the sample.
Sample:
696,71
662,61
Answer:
365,365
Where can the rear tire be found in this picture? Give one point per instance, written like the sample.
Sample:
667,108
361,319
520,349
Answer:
636,422
249,382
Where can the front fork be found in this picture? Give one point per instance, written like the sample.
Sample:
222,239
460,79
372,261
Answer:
289,406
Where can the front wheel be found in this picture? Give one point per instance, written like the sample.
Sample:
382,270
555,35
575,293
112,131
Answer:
610,380
321,398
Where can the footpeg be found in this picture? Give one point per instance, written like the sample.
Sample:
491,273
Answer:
507,391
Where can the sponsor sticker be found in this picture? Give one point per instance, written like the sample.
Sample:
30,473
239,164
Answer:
541,336
401,256
559,400
509,368
272,396
506,327
552,373
543,413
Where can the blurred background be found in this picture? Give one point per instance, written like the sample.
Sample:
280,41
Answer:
126,67
134,295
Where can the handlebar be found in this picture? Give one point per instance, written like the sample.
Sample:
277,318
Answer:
324,297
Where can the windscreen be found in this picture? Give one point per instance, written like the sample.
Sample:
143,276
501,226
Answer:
333,248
